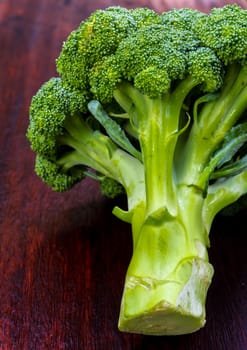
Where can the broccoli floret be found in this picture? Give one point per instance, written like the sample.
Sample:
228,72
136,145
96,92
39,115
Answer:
48,111
98,36
153,106
228,32
111,188
182,19
69,145
50,172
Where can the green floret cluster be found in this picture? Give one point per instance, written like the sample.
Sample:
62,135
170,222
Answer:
153,106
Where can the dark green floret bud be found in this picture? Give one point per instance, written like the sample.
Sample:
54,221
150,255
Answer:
152,81
153,49
52,174
49,108
104,77
111,188
144,17
182,19
225,31
102,32
71,64
205,66
98,36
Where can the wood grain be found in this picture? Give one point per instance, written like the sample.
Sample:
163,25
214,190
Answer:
63,257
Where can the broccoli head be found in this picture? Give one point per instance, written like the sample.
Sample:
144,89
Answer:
153,106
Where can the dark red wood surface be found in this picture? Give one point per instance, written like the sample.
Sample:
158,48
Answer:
63,257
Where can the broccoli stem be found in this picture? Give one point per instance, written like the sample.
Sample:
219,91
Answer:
221,194
223,112
213,122
157,123
100,153
162,293
158,139
169,273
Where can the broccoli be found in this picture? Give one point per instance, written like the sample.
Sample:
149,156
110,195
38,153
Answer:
152,106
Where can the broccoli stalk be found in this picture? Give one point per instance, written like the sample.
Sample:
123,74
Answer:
212,123
153,106
169,274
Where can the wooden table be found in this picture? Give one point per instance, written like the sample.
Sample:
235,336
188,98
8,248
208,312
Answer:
63,257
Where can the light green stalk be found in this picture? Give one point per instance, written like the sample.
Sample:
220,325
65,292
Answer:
169,273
